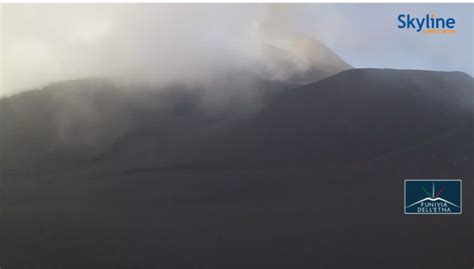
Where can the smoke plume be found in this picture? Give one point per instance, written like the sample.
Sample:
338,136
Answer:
156,44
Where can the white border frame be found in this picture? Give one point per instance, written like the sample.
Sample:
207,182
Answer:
405,196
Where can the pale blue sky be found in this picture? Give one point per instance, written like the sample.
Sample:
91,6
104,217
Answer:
366,35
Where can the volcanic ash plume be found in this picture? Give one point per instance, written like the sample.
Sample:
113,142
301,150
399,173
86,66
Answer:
158,44
291,55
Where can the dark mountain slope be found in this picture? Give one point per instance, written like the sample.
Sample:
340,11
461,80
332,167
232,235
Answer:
315,180
354,115
90,120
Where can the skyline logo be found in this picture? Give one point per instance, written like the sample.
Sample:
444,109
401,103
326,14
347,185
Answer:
433,196
430,24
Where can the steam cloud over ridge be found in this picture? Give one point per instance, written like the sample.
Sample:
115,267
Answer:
156,44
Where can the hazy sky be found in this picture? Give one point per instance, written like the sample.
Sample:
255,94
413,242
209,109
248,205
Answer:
158,42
